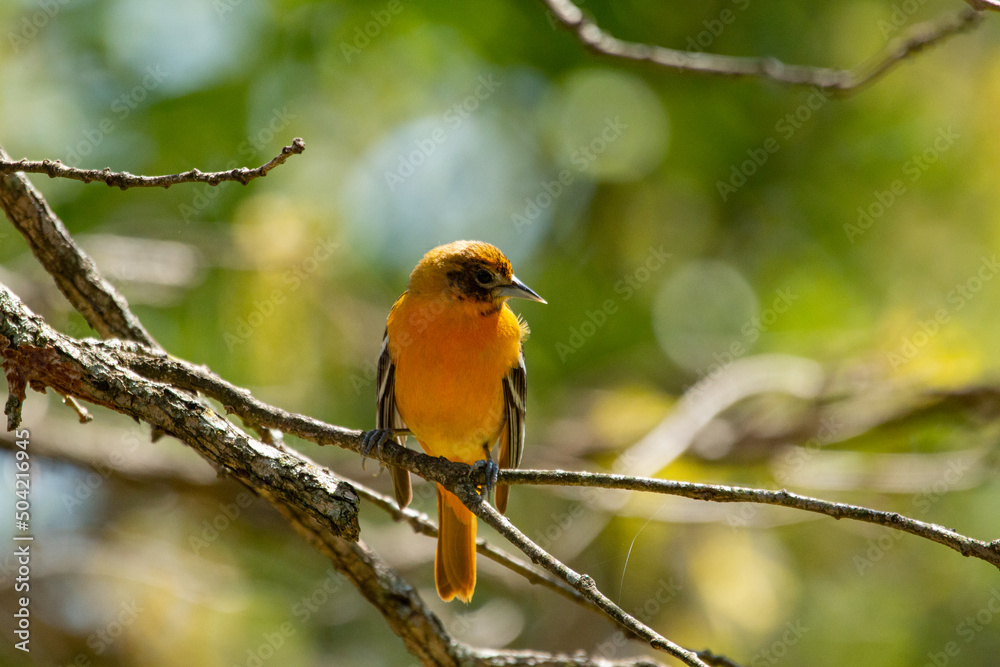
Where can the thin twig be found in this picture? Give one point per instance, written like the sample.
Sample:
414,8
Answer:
81,412
967,546
915,39
421,524
125,180
581,582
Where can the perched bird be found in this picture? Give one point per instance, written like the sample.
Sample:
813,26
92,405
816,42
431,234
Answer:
451,373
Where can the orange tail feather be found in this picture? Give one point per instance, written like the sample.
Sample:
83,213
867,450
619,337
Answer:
455,560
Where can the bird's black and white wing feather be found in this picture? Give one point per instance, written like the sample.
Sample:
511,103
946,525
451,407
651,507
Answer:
387,417
515,393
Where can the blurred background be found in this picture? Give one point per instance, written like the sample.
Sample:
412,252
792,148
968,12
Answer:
747,284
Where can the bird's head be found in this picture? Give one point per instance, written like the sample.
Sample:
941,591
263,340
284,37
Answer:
470,271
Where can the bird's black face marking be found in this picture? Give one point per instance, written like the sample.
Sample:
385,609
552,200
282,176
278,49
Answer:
477,282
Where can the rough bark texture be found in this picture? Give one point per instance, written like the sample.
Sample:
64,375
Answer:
35,355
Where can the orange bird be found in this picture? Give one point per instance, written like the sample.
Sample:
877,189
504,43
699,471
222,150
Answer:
451,373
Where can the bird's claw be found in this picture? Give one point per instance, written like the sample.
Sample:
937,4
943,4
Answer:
373,439
491,471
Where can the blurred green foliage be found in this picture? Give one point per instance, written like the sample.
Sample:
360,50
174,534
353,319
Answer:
665,218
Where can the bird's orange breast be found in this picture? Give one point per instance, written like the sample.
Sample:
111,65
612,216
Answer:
450,366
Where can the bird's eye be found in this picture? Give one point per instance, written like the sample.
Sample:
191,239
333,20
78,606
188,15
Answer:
484,277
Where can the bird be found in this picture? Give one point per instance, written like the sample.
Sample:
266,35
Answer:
451,373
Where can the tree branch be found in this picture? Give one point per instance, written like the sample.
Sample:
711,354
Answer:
581,582
967,546
125,180
160,367
421,524
320,505
455,476
105,310
35,354
408,617
917,38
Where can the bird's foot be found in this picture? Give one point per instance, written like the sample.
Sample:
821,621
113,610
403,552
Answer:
492,472
374,439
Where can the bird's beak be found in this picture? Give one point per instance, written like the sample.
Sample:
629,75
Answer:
518,290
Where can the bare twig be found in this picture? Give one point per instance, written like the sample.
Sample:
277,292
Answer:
915,39
157,365
581,582
423,525
81,412
967,546
125,180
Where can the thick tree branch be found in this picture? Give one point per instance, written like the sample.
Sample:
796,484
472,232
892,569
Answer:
35,354
917,38
125,180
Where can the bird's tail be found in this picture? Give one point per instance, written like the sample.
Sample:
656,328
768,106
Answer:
455,560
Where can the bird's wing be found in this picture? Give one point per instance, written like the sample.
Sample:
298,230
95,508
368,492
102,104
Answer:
515,393
387,416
